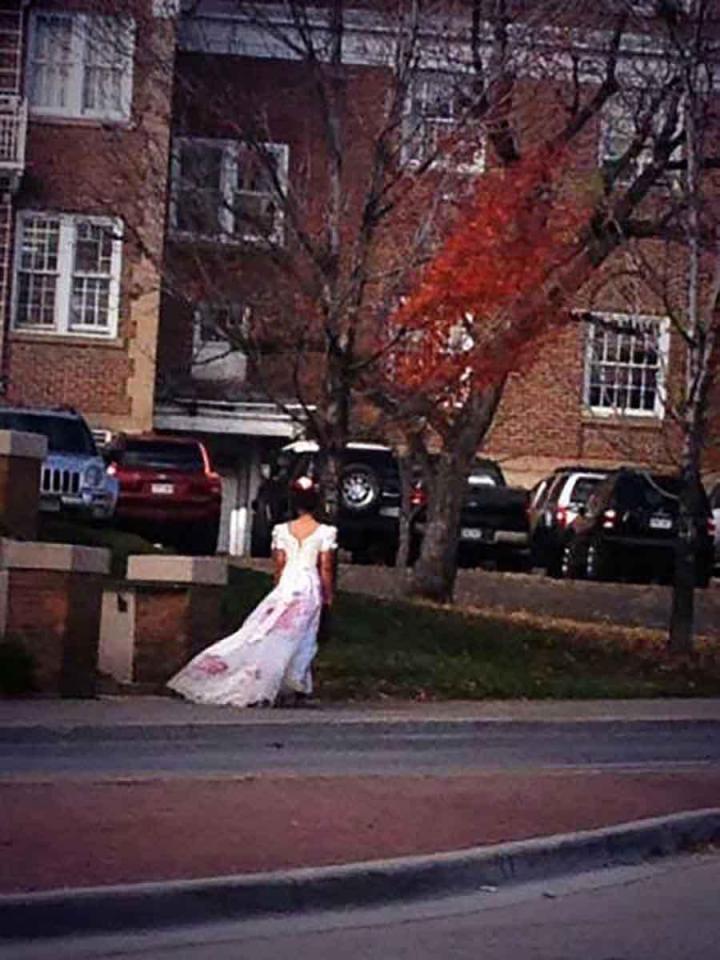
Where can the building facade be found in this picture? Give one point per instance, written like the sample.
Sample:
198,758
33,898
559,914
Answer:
136,215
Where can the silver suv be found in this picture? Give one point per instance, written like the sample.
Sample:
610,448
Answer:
554,504
73,477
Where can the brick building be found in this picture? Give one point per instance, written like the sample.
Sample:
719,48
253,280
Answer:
134,219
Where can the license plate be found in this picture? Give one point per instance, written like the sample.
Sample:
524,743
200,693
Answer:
50,506
473,533
389,511
162,488
660,523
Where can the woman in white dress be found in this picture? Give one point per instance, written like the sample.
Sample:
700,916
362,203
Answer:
271,653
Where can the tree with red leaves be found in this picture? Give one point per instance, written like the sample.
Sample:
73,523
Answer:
474,316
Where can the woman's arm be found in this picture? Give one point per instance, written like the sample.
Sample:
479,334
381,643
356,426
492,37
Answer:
279,560
326,567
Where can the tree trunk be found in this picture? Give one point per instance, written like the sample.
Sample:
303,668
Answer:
436,568
405,465
682,613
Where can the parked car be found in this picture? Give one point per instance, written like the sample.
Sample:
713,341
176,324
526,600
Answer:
554,504
629,530
493,521
369,493
715,507
73,478
168,490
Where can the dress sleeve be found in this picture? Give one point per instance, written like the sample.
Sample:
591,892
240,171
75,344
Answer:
328,541
277,542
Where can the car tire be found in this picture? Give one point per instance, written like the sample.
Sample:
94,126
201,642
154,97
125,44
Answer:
554,563
359,488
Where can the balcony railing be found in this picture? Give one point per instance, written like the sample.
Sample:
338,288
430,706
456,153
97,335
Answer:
13,128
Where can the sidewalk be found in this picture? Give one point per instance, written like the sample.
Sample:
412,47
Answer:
166,711
94,829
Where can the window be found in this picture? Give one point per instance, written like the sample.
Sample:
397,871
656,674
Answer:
626,364
619,126
80,65
223,323
437,106
227,191
67,274
218,329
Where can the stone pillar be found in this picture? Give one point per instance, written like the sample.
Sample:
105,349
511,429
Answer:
51,601
21,457
166,611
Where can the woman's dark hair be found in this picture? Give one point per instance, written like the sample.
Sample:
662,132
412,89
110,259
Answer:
305,500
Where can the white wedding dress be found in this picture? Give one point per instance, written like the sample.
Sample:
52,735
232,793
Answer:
273,649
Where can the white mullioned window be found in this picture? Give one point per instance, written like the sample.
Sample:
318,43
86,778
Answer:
626,364
67,274
228,191
80,65
436,107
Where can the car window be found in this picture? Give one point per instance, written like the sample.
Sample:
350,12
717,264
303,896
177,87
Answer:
581,488
64,434
161,456
555,488
641,491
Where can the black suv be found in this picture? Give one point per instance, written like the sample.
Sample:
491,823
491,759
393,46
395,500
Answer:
368,521
554,504
629,530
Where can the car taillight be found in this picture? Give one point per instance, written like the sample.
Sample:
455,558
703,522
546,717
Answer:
128,480
561,516
111,470
608,519
418,497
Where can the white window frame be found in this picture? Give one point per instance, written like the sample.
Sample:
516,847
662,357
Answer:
65,273
228,177
415,120
592,330
74,109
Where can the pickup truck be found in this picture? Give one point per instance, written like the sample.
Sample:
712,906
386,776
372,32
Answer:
493,522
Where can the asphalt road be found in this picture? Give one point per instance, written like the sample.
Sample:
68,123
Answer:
662,911
416,747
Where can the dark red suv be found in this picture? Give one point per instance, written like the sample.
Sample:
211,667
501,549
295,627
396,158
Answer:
168,491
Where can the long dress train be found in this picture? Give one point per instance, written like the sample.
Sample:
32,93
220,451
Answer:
274,648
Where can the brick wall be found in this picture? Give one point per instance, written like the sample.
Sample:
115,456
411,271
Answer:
105,169
56,614
172,624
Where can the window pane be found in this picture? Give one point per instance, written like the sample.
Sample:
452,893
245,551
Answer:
37,277
199,199
93,248
90,303
254,205
52,61
90,291
108,57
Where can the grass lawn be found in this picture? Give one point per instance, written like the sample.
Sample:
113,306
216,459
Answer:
399,649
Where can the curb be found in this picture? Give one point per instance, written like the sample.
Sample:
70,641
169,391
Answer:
181,903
